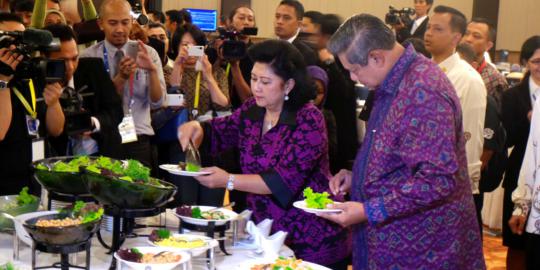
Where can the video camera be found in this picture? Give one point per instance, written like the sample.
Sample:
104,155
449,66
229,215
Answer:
136,12
396,16
37,68
78,120
233,48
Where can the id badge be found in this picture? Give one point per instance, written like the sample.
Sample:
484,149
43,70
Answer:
32,126
38,149
127,129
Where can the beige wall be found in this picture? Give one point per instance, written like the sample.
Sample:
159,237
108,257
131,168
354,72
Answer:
518,20
264,9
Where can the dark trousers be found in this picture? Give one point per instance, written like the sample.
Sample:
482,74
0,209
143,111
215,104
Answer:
479,203
532,251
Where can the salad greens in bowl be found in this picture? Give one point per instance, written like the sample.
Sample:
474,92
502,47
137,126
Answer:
61,174
16,205
126,185
73,224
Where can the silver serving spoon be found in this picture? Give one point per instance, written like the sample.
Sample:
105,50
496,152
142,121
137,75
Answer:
192,155
231,204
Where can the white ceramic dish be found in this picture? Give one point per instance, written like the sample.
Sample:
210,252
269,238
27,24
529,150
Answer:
174,169
247,265
21,231
210,243
302,205
185,257
203,222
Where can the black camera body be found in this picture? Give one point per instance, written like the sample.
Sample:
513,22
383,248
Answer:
398,16
137,13
78,120
37,68
233,48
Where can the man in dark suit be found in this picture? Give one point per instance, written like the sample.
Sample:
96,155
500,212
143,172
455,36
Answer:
417,27
100,100
516,112
287,25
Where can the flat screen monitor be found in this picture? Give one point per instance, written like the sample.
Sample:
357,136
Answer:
205,19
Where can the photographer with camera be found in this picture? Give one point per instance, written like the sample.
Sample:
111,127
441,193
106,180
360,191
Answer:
136,72
192,62
205,89
239,19
93,109
402,23
25,109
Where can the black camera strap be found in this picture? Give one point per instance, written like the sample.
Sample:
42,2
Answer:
30,109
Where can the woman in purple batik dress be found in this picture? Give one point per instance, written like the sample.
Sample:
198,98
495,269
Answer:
283,147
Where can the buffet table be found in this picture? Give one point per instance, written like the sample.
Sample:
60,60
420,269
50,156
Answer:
240,254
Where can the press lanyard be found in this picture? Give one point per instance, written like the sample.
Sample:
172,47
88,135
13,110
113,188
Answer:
227,70
106,59
197,91
31,110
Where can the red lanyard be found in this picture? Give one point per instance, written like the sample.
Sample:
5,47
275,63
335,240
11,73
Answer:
482,66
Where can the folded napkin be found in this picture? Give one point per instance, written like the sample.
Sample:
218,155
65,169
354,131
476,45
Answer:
266,245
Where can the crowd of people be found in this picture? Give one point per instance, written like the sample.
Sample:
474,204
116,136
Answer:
440,119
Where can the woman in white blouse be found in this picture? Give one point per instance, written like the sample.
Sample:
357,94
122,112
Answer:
526,197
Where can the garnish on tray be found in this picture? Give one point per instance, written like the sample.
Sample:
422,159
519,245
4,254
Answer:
134,255
159,234
316,200
283,263
7,266
22,199
164,238
188,167
196,212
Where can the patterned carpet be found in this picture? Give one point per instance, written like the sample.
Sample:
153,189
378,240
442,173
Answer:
494,252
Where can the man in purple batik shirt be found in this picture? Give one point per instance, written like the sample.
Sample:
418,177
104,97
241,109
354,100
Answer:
281,137
411,202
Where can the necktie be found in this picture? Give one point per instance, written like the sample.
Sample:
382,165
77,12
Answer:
117,58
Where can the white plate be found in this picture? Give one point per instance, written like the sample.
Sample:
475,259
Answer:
155,266
211,243
19,228
174,169
247,265
203,222
302,205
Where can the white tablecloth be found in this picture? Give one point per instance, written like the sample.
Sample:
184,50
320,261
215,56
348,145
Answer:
100,260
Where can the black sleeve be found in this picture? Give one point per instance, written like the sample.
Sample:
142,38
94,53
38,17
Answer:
280,191
491,125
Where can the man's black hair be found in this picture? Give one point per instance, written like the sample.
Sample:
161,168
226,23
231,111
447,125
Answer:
298,7
10,17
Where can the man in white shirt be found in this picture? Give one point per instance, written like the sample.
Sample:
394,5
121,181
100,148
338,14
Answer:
416,28
287,26
136,71
444,32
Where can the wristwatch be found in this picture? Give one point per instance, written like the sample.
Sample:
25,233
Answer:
230,182
3,85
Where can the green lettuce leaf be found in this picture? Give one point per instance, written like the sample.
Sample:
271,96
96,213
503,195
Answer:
316,200
24,198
